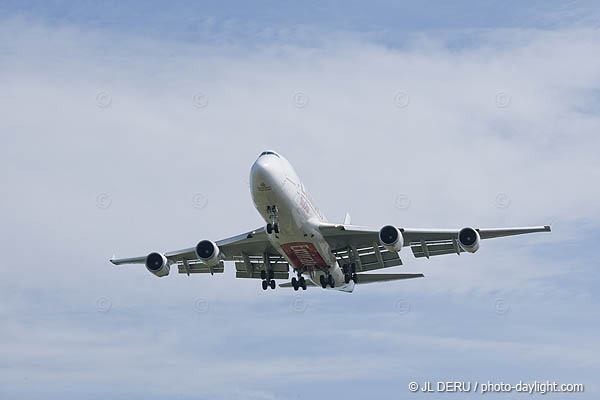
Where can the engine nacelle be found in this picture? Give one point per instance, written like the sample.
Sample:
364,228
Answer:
391,238
157,264
468,239
208,252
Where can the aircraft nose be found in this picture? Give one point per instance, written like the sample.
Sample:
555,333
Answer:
264,173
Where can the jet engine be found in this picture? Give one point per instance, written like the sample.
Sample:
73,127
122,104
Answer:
391,238
157,264
208,252
468,238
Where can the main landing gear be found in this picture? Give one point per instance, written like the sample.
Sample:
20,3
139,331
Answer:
349,271
298,283
327,281
272,226
267,278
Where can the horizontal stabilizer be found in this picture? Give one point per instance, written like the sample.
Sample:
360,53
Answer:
370,278
367,278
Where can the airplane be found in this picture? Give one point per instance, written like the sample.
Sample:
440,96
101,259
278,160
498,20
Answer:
296,234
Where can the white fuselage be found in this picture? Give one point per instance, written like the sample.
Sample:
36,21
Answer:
274,182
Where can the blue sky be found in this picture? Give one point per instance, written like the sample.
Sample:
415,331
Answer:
233,21
115,115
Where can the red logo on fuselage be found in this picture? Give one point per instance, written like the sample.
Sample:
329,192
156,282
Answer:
263,188
303,254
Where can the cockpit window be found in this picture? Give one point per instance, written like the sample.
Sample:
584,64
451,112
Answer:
264,153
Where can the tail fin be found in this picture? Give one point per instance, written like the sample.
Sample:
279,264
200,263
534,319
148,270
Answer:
347,219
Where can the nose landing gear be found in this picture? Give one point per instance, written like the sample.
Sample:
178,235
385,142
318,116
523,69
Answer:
272,226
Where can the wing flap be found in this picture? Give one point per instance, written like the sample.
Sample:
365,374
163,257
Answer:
200,268
368,258
256,275
375,264
280,269
435,249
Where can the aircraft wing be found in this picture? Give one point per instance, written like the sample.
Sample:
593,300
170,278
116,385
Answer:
250,251
354,242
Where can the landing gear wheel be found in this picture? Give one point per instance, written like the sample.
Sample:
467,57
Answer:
269,228
331,281
295,283
302,283
353,268
323,281
272,283
355,277
263,274
276,227
347,278
265,285
345,268
271,274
